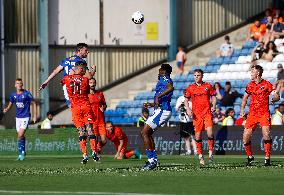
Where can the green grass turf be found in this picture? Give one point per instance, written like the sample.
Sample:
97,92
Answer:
176,175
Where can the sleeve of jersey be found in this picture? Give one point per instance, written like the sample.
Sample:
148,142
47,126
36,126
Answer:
187,93
270,87
118,133
212,91
248,91
103,98
31,98
12,100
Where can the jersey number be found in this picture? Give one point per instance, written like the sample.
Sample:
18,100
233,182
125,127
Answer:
76,87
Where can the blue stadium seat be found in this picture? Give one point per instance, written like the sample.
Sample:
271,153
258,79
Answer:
212,61
245,52
226,60
233,60
237,53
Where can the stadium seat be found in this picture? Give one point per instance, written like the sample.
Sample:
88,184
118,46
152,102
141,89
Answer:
237,53
278,58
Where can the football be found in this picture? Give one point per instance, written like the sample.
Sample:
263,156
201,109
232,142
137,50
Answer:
137,17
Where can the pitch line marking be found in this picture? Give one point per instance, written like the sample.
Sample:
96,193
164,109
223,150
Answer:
65,192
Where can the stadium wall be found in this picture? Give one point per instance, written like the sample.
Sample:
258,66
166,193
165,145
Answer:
228,140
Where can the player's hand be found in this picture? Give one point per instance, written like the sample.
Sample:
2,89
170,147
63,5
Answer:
5,110
189,112
42,86
156,102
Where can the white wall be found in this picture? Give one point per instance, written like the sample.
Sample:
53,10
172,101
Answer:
73,21
118,23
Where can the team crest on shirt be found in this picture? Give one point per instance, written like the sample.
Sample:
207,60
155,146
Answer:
206,89
262,87
89,119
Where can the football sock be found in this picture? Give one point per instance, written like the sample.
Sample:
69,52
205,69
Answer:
199,146
149,155
154,154
248,148
93,144
21,145
211,143
99,146
83,144
129,153
267,148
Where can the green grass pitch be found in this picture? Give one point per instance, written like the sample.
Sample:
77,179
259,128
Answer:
56,174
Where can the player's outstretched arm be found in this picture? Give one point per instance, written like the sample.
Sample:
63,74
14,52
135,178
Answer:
214,102
188,110
244,103
57,70
5,110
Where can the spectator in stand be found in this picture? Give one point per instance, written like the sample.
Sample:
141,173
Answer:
229,120
144,116
181,59
241,121
218,116
268,14
226,49
280,78
279,15
256,31
278,117
269,22
46,124
229,97
219,93
258,52
270,51
277,30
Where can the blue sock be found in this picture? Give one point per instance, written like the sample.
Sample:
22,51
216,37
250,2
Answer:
154,153
24,145
20,146
149,154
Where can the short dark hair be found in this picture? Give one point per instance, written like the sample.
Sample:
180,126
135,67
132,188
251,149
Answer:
93,79
228,111
227,37
19,79
258,68
81,63
49,112
81,45
167,68
198,70
228,83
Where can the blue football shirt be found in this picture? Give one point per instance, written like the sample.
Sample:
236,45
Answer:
22,102
69,63
165,101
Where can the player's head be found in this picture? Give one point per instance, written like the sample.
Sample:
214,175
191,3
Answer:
80,67
256,72
145,112
19,84
49,115
82,50
93,83
109,126
165,69
198,75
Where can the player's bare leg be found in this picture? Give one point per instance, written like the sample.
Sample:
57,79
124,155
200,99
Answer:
21,144
83,143
210,143
193,143
198,139
267,144
101,143
247,145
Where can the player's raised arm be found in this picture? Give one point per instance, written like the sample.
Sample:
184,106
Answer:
244,103
188,110
57,70
214,102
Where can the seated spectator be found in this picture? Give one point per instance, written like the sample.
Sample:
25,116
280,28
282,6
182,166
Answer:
277,30
279,84
144,116
257,30
258,51
46,124
181,59
218,117
278,117
241,121
229,97
268,14
279,15
270,51
226,49
229,120
219,93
